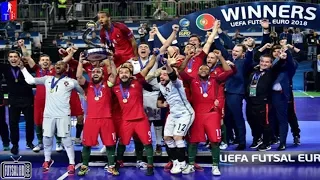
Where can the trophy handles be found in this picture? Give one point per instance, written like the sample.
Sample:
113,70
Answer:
91,27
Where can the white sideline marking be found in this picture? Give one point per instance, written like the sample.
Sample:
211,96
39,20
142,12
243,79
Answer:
65,175
306,94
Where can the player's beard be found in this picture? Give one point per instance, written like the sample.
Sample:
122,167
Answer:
206,77
96,81
126,84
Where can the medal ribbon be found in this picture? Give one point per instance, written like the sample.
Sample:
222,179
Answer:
124,92
213,68
141,65
107,35
256,77
97,90
53,84
204,86
15,73
41,73
190,63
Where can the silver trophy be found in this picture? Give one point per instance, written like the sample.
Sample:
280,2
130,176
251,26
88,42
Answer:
98,52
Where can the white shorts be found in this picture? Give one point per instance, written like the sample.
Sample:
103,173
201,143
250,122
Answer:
61,124
178,125
150,107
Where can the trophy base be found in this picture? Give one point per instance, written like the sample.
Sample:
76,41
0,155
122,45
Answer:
97,54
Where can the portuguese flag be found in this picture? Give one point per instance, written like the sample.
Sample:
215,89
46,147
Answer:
205,22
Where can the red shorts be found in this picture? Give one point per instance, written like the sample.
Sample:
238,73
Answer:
75,104
38,110
117,124
139,128
221,105
206,124
103,126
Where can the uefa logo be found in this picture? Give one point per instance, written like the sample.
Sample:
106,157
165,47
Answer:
184,23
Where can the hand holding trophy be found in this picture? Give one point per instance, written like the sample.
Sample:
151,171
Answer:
98,52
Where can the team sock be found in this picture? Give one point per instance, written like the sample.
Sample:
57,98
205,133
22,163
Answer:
138,146
215,152
111,154
68,146
47,144
86,150
192,152
158,131
149,152
169,153
224,133
171,149
180,150
120,151
79,128
39,134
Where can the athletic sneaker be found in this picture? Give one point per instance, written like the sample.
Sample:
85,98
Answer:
6,148
256,143
141,165
168,166
83,170
264,147
119,164
215,171
30,146
71,169
106,167
158,150
103,149
223,146
197,167
296,140
38,148
112,170
59,147
178,167
188,170
46,165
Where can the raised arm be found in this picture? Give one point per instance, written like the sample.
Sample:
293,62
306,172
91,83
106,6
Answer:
112,77
144,72
79,74
210,39
70,52
171,38
29,78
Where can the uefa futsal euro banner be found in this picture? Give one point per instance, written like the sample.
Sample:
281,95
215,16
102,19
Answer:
246,15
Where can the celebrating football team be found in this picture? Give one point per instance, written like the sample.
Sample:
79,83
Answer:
190,95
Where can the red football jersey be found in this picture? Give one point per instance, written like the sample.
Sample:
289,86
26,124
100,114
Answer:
133,108
192,70
221,76
98,107
119,36
40,89
200,103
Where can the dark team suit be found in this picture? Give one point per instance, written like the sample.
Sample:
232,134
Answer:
4,131
233,87
258,98
281,96
20,100
235,90
292,116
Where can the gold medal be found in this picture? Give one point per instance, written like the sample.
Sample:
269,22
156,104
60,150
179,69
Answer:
189,70
52,90
16,80
125,100
96,98
205,95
